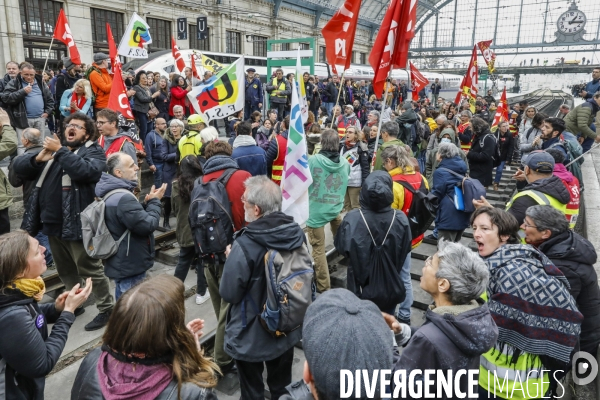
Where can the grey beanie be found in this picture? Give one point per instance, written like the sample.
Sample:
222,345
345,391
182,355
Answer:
98,57
67,63
341,331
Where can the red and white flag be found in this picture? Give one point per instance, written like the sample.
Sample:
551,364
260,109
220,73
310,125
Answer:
418,81
488,55
195,73
118,100
501,112
468,86
406,34
62,32
179,62
112,47
339,34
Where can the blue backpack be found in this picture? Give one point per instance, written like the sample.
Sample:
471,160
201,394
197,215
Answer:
470,189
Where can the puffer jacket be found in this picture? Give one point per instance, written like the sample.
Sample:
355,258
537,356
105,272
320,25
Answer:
353,241
14,98
123,211
243,286
480,159
526,142
142,99
87,385
579,119
448,217
61,209
8,145
575,257
453,338
358,157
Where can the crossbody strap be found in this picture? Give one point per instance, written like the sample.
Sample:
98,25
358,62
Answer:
44,173
369,230
127,231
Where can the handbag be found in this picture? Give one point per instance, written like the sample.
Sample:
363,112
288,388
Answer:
153,112
32,220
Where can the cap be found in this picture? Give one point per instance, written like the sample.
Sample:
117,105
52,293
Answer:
349,106
540,161
250,70
100,57
339,323
195,119
67,63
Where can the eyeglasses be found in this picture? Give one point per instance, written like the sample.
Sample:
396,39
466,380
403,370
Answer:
100,123
78,127
526,225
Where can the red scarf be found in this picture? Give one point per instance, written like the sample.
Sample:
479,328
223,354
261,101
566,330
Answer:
79,103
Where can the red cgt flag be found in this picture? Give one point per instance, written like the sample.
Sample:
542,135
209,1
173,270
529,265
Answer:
501,112
179,62
418,81
62,32
406,34
112,48
118,100
195,73
468,86
382,54
339,34
488,55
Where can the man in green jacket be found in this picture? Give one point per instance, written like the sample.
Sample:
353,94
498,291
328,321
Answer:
579,119
389,134
8,145
326,195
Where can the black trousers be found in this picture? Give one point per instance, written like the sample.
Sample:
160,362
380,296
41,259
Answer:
279,375
4,221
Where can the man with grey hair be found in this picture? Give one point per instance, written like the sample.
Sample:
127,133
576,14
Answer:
389,134
458,327
12,70
563,111
373,118
326,194
243,285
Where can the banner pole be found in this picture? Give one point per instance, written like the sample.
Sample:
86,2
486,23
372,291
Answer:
381,121
48,55
337,100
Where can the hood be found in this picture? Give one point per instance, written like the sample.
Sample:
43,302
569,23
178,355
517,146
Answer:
563,174
595,106
408,117
552,186
450,132
395,142
473,332
329,165
276,231
109,139
243,141
168,136
455,164
219,162
12,297
108,182
571,247
376,193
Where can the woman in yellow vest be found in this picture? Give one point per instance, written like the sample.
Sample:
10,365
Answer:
534,347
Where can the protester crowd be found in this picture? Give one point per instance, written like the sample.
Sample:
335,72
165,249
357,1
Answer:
79,164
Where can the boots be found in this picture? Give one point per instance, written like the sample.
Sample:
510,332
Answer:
166,224
167,212
495,186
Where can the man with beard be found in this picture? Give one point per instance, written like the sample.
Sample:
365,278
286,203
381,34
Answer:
72,170
344,121
112,138
12,70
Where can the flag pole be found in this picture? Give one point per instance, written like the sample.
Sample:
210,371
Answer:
380,120
337,100
48,55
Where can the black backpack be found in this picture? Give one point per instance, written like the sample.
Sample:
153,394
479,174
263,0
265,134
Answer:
496,154
422,212
210,215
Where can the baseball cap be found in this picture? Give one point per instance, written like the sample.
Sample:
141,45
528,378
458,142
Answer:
341,331
540,161
195,119
250,70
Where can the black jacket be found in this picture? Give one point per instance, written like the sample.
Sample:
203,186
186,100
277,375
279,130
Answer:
61,209
480,157
244,278
123,211
14,95
354,242
506,144
30,353
449,342
87,386
575,257
3,83
405,122
332,91
142,99
551,186
17,180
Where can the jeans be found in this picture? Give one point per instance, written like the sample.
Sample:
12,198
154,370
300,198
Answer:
280,107
404,309
142,120
158,175
587,144
187,256
499,170
249,108
329,107
422,159
123,285
279,375
43,239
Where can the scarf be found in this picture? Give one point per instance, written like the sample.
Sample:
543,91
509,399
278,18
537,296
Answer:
218,163
80,103
531,304
243,140
31,287
349,144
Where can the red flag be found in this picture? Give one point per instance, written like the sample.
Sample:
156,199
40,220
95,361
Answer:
118,100
339,34
195,73
418,81
382,54
406,34
112,48
468,86
62,32
501,111
488,55
179,62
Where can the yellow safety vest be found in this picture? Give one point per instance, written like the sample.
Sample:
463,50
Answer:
281,87
190,144
540,198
